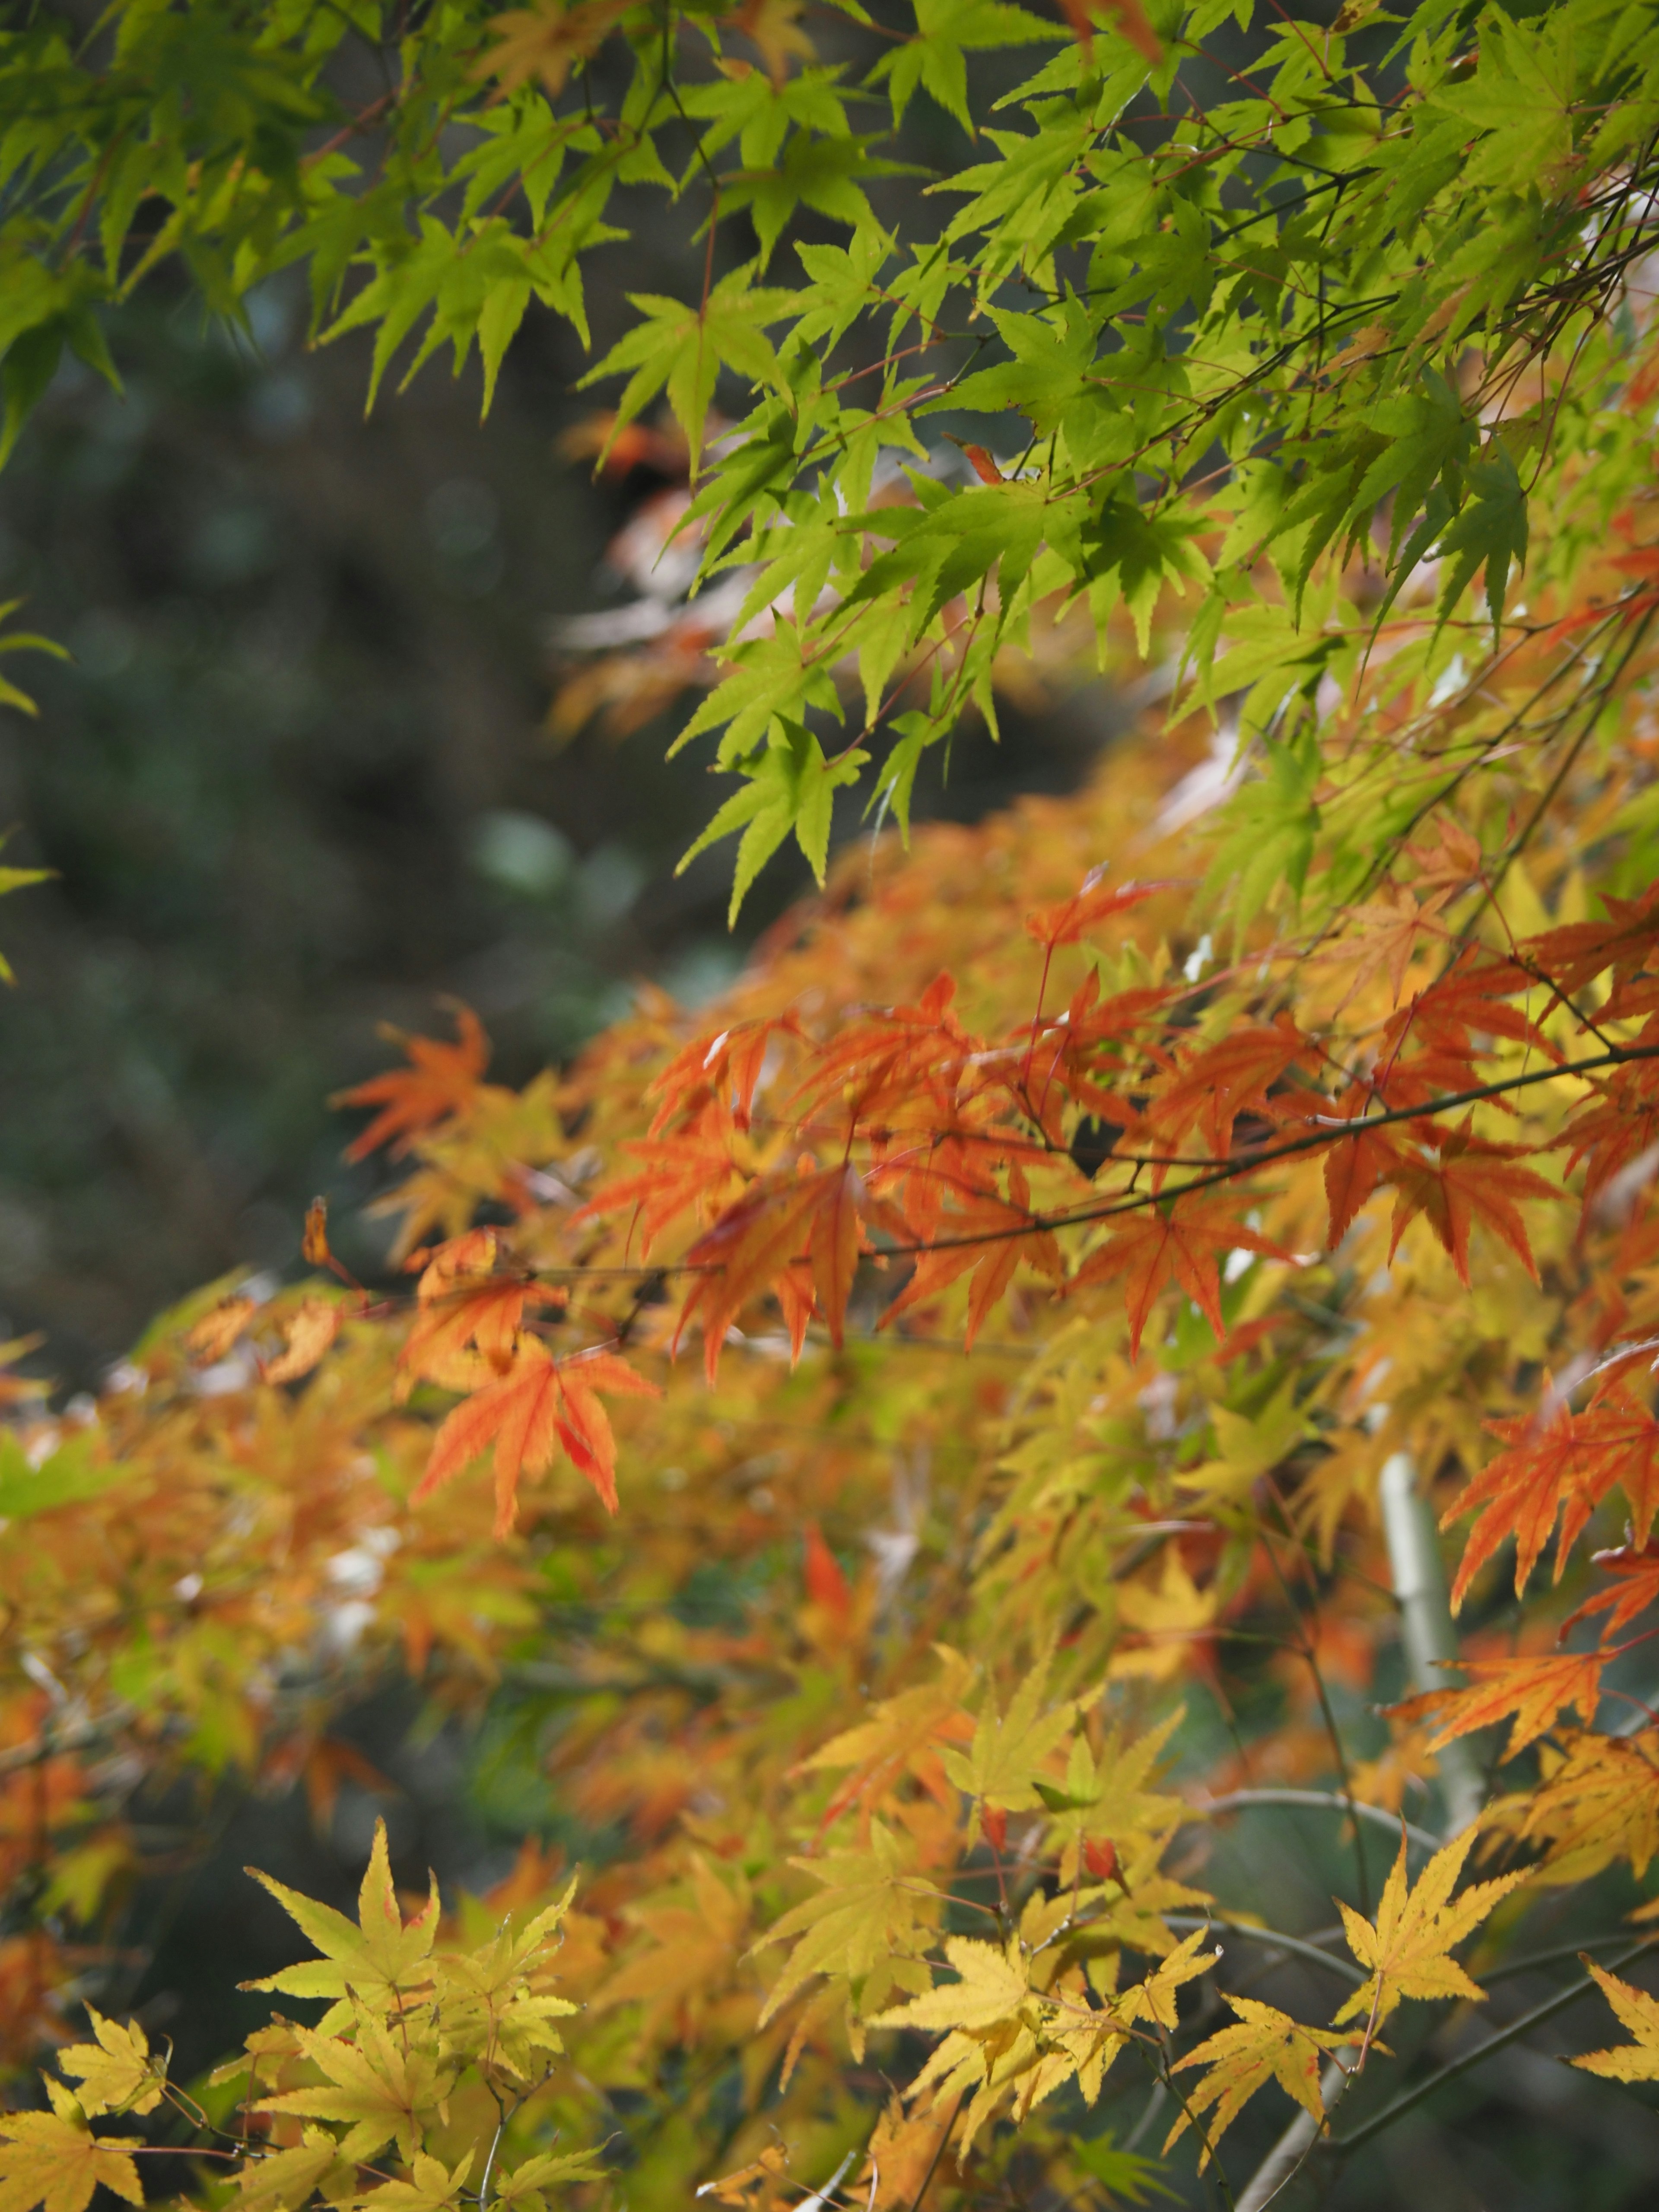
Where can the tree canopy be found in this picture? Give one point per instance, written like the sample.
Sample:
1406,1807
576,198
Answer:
1274,1122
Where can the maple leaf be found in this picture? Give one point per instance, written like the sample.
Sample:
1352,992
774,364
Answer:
545,42
697,1939
1234,1075
1250,1448
872,1907
469,1326
524,2183
774,28
1355,1165
817,1214
1010,1235
992,1982
490,2006
308,1331
1154,1998
212,1337
1175,1241
1176,1618
1409,1949
1126,16
1635,1588
1265,2045
442,1080
378,2086
1064,924
1577,952
539,1407
278,2180
1564,1464
1596,1800
729,1067
119,2073
1001,1766
689,1172
52,2160
1468,1179
1638,2011
383,1960
1532,1689
430,2187
902,1732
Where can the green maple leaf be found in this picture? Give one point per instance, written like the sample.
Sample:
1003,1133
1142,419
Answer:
685,348
1491,530
791,786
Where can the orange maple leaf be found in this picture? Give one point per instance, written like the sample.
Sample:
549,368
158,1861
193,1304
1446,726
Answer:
818,1215
1066,923
1635,1588
686,1172
1532,1691
440,1080
990,1235
1227,1078
1355,1165
546,41
1470,1179
1565,1465
209,1341
470,1318
540,1408
1175,1241
308,1331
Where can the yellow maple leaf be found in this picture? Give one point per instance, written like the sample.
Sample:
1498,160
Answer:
120,2073
1264,2045
52,2160
1001,1766
994,1984
1250,1448
430,2188
381,1960
1154,1999
874,1904
277,2179
383,2090
1169,1618
1638,2011
1408,1950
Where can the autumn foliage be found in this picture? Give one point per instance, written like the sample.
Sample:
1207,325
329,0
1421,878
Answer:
1073,1284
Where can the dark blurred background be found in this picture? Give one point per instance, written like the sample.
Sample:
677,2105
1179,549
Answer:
295,780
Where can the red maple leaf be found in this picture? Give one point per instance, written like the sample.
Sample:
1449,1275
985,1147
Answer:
1466,1180
1355,1165
1176,1241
